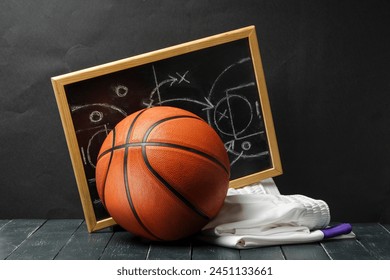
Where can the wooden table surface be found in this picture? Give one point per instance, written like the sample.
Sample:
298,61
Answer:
69,239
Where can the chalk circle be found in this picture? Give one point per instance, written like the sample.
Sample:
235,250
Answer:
92,142
233,104
121,91
246,145
96,116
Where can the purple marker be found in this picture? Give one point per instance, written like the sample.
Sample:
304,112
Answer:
337,230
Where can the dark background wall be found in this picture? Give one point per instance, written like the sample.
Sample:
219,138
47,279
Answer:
326,65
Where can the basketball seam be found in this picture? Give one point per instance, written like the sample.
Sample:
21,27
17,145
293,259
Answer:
108,167
168,145
159,177
126,181
147,133
172,189
128,144
153,126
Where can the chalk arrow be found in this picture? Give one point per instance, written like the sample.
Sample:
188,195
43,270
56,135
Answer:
229,146
208,105
171,80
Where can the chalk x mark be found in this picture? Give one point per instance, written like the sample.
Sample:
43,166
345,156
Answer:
156,93
222,115
223,119
156,89
237,135
182,77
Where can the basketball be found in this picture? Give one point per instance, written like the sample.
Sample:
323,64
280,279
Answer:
162,173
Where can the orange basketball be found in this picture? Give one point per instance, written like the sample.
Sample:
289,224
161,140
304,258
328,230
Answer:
162,173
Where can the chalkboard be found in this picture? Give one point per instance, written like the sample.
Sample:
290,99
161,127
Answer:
220,78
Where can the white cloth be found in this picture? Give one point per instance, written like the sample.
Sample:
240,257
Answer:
257,215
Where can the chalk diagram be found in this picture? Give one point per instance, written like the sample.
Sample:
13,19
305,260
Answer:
156,96
97,127
94,122
236,117
231,106
229,102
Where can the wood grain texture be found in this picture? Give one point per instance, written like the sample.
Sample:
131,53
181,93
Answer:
125,246
3,222
346,249
312,251
202,251
375,239
85,246
265,253
69,239
180,250
386,226
14,233
47,241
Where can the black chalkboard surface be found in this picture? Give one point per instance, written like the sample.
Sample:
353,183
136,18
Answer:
219,78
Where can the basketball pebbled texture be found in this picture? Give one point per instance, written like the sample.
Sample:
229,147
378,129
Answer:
162,173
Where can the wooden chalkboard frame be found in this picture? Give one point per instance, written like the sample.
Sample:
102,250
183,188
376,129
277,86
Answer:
60,82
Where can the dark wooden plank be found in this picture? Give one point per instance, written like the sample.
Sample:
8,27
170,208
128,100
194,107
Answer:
204,251
386,226
264,253
311,251
3,223
125,246
179,250
346,249
47,241
13,233
84,245
375,238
